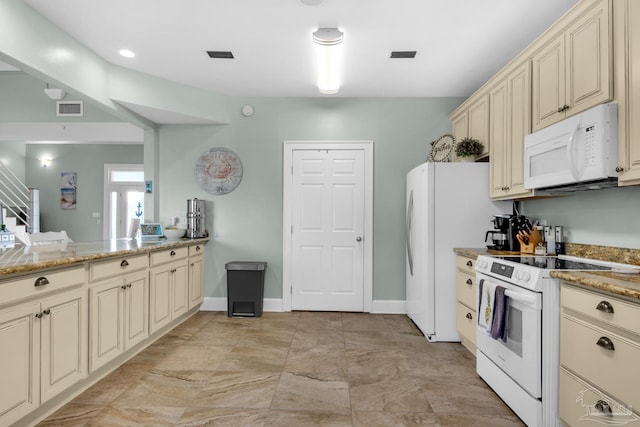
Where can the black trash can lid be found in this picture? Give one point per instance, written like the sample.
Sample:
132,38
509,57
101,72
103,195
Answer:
245,265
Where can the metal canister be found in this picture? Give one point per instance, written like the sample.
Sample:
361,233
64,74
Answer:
195,218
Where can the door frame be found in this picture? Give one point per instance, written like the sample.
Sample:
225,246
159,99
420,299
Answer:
287,220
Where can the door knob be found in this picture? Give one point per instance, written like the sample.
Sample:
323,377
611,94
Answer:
358,239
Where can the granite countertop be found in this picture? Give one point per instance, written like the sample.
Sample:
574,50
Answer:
475,252
627,285
23,259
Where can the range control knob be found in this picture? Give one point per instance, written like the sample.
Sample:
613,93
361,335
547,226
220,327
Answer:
526,276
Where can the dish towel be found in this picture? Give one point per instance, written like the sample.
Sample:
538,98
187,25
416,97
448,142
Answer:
500,307
487,292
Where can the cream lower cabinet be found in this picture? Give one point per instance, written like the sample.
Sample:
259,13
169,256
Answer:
599,353
168,287
510,121
196,275
119,316
44,341
572,72
466,295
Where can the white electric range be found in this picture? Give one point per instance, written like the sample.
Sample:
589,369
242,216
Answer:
524,369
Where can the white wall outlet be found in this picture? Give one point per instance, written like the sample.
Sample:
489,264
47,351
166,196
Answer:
95,215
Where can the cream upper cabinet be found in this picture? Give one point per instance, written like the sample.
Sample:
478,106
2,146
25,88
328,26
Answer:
572,71
509,122
627,53
472,120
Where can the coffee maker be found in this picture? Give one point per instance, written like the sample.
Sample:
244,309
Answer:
500,234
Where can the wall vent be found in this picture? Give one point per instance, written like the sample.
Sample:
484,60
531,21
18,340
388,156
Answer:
69,108
404,54
220,54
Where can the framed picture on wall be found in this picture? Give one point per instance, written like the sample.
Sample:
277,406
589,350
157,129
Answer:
68,187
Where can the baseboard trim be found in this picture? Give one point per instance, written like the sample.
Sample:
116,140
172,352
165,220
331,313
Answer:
275,304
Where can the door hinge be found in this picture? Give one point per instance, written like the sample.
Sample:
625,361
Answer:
292,229
291,169
291,290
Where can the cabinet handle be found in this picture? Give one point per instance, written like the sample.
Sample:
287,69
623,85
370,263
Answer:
469,282
129,285
47,312
172,253
605,342
124,263
39,315
604,408
619,169
469,264
192,264
41,281
174,270
469,316
198,248
605,306
123,287
563,108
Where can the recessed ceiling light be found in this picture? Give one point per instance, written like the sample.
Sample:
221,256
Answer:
126,53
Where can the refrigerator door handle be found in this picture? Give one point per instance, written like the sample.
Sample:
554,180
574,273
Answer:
408,232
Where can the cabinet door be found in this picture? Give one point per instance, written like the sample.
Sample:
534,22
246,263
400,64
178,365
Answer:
159,297
196,281
498,134
629,143
548,84
64,342
136,309
19,361
107,307
519,125
460,127
589,60
479,122
180,285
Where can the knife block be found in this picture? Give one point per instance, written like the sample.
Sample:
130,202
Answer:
534,239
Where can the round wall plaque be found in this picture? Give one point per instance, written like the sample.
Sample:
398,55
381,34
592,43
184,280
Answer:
218,171
441,148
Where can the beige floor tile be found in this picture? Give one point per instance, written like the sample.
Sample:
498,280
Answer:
332,362
367,361
161,388
306,392
316,321
72,415
404,419
369,339
480,421
194,358
364,322
223,417
234,389
246,358
124,416
308,419
327,339
389,393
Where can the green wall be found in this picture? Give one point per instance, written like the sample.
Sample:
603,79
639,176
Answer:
248,221
87,160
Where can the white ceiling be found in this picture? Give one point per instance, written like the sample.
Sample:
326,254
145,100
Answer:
460,43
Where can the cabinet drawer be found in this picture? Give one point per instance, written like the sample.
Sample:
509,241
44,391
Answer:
612,370
466,289
117,267
168,255
196,250
602,307
466,265
41,284
582,404
466,326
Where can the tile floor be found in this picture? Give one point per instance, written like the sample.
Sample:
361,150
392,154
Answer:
292,369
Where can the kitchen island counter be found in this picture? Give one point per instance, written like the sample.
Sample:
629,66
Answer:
22,259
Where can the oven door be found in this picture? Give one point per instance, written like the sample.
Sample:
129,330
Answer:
520,357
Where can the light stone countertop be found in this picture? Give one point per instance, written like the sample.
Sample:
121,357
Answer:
22,259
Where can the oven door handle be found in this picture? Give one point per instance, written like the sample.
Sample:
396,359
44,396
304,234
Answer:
520,297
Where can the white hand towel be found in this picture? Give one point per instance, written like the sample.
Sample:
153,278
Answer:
487,301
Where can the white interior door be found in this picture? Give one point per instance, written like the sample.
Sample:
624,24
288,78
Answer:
328,224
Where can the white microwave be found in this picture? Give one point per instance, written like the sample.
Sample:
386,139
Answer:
579,152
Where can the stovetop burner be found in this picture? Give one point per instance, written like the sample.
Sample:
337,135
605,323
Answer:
553,263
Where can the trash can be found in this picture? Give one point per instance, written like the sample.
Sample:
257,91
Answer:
245,288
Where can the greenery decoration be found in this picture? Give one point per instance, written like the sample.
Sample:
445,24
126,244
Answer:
468,147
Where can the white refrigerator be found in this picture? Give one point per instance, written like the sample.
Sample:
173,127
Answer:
447,206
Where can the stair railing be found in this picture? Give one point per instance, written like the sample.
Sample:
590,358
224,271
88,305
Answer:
16,197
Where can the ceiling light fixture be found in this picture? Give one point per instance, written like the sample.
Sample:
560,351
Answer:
126,53
328,45
54,93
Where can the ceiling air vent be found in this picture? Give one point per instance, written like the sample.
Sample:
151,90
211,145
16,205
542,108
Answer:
69,108
407,54
220,54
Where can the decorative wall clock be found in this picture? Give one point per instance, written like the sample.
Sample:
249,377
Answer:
218,171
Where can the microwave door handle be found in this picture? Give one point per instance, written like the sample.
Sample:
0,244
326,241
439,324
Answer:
570,152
